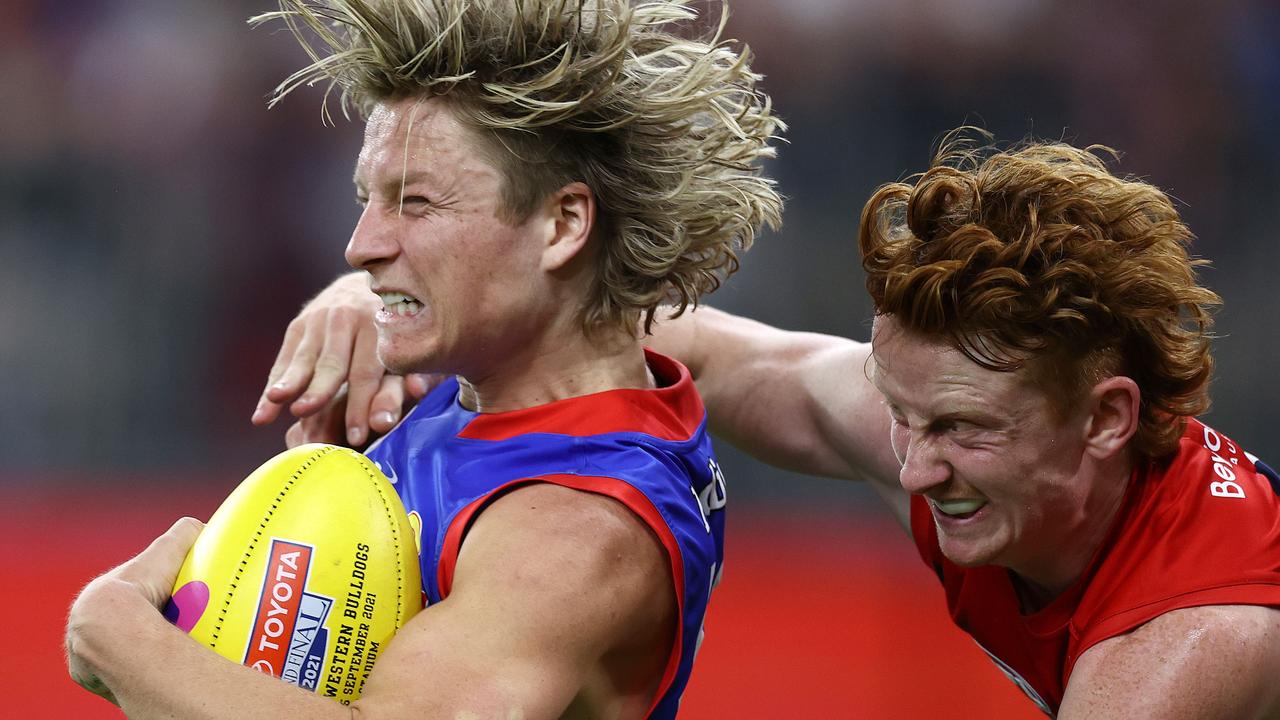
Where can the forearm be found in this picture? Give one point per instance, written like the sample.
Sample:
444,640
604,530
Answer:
155,670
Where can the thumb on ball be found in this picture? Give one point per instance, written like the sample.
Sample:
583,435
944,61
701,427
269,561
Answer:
155,569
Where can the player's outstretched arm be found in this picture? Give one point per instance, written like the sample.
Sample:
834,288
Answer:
521,635
801,401
1216,661
328,375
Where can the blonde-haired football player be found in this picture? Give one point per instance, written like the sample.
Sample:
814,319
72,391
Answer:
536,177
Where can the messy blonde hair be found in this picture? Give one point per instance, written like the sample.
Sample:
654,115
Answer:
667,132
1040,256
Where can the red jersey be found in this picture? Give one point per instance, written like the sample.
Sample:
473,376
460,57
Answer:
1203,529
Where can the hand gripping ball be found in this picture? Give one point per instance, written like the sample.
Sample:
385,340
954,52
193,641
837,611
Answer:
305,571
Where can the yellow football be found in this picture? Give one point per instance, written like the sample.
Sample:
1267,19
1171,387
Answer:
305,571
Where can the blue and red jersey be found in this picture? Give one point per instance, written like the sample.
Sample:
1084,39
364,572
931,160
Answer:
647,449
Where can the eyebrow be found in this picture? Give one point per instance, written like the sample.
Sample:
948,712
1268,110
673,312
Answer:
966,411
396,182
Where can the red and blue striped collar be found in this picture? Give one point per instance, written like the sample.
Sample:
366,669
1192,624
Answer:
672,411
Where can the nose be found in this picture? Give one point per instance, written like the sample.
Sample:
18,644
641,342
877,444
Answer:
923,465
374,241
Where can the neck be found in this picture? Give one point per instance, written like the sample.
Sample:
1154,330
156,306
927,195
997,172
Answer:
1039,583
568,365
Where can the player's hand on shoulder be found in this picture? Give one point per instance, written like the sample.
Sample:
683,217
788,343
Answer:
328,375
1215,661
316,356
333,423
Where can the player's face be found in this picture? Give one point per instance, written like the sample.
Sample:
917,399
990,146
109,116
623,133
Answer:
459,284
998,467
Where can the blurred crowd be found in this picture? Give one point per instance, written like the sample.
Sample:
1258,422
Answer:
160,226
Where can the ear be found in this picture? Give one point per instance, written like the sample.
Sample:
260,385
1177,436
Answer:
1113,416
572,215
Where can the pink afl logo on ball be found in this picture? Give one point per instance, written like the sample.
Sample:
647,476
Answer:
187,605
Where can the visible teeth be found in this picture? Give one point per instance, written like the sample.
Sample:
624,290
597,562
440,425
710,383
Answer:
400,304
958,507
405,308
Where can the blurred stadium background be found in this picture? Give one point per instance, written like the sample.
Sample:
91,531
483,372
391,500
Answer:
159,228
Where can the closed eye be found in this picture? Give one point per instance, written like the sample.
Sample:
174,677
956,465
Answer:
955,425
966,433
415,204
945,425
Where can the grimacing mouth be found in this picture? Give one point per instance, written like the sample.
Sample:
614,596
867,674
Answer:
958,508
400,304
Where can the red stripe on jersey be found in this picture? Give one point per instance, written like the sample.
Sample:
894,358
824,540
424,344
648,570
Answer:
619,490
672,412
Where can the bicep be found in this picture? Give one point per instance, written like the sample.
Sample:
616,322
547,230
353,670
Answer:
800,401
1201,662
541,592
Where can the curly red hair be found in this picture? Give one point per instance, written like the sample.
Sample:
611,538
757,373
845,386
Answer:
1039,256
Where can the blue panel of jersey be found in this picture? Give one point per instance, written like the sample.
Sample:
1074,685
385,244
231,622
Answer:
438,474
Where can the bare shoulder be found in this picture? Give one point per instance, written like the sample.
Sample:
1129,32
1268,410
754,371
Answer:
562,605
575,557
594,584
578,536
1216,661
